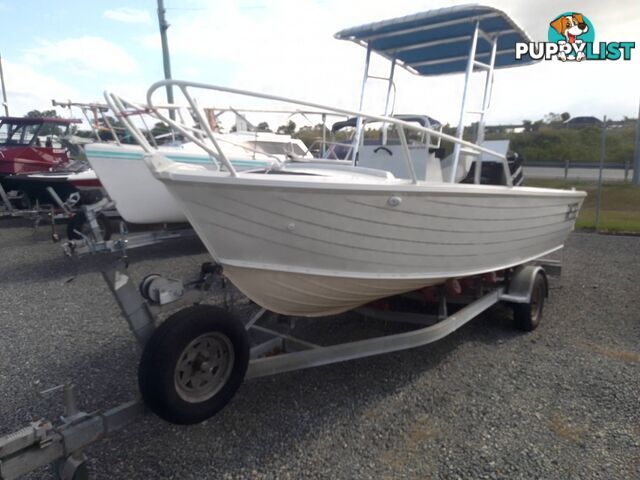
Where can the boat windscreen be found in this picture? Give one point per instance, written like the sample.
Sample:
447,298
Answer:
277,148
18,134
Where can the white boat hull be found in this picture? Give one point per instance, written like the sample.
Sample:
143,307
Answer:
304,248
138,196
313,295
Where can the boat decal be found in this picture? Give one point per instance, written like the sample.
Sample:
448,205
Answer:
572,211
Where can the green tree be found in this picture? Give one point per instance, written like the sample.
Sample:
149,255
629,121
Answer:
288,129
47,129
43,113
263,127
160,128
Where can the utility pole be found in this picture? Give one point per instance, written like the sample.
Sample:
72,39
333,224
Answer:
162,22
4,90
602,154
636,156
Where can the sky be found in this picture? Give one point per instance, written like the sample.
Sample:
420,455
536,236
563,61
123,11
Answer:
66,49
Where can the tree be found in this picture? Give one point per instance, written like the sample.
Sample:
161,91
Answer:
552,117
263,127
160,128
47,129
565,116
288,129
43,113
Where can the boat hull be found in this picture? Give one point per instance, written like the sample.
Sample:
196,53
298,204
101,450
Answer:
28,159
35,186
321,249
310,295
139,197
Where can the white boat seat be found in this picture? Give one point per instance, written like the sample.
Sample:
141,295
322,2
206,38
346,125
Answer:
391,158
466,159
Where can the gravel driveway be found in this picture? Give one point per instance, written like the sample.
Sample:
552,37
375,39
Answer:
485,402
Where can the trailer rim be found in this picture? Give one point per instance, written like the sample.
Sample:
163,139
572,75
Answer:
204,367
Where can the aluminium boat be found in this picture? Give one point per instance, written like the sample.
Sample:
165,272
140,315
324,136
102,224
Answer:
321,238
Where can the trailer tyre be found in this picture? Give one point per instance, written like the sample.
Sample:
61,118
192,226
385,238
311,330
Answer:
527,316
193,364
79,223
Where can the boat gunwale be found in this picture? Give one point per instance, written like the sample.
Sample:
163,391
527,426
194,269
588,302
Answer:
322,183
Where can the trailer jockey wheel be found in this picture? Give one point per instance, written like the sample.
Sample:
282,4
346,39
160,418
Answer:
527,316
193,364
74,467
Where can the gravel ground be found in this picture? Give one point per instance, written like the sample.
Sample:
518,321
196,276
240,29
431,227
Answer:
485,402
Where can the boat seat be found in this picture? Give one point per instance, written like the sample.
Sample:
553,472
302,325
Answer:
390,157
467,158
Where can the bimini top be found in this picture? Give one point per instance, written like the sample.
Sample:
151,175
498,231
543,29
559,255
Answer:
437,42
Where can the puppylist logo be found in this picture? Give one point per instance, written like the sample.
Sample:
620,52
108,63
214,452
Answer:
572,38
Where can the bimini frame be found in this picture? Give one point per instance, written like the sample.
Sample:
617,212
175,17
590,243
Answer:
446,41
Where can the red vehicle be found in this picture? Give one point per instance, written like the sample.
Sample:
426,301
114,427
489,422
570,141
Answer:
26,144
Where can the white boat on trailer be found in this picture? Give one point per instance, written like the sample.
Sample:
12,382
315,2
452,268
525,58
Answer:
318,239
194,362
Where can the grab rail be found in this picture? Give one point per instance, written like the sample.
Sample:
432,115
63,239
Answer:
400,124
121,107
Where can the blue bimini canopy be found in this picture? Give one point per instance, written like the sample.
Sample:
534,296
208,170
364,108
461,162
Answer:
438,42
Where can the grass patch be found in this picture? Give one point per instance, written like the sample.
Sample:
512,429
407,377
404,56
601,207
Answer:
620,204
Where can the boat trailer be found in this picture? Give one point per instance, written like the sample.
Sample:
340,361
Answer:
51,213
88,226
92,233
61,443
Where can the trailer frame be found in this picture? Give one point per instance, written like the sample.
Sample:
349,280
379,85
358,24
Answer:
62,443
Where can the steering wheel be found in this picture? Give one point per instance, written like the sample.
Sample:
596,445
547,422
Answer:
376,150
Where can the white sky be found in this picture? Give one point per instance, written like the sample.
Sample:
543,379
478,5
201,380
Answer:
287,47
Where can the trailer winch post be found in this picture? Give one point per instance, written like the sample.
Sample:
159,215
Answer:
135,310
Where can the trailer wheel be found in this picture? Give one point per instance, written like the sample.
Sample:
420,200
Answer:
79,223
193,364
527,316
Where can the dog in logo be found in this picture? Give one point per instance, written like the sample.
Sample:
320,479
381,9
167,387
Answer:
570,27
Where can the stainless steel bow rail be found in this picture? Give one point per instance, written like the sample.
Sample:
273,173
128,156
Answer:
61,443
205,139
